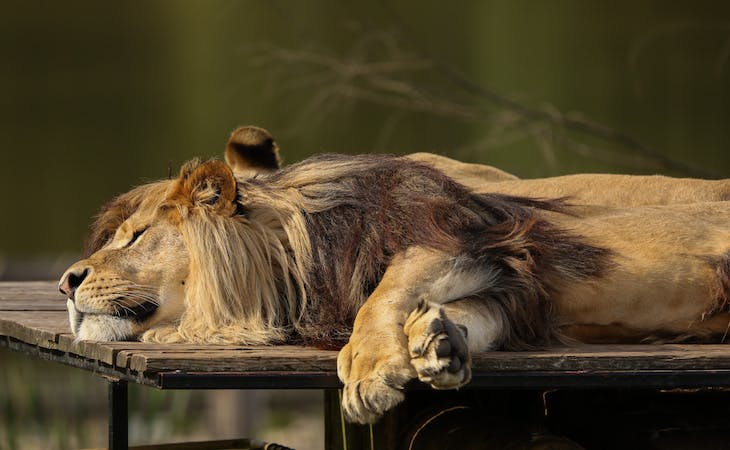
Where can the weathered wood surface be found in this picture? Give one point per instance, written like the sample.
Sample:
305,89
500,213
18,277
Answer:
33,319
31,296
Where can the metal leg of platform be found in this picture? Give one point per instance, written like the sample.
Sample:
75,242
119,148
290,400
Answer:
118,415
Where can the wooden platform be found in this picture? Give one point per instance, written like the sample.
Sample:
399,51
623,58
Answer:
33,320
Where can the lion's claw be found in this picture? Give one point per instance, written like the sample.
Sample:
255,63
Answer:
372,385
365,401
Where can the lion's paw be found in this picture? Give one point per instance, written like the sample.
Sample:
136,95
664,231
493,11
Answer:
165,334
372,386
438,347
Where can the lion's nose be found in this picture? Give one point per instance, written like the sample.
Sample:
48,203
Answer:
71,280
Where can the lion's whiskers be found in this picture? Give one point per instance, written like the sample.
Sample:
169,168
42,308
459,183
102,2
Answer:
134,295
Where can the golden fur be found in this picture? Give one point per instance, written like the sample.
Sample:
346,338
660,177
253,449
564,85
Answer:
470,175
612,190
618,191
413,270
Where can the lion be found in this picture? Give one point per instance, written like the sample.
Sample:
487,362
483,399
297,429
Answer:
252,150
403,267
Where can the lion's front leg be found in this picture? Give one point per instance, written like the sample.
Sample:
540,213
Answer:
374,367
375,364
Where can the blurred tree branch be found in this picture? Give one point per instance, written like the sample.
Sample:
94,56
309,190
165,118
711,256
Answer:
377,70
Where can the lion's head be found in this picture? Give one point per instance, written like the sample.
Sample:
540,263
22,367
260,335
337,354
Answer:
137,266
250,151
136,280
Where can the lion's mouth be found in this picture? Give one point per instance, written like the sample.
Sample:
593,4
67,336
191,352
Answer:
122,309
138,311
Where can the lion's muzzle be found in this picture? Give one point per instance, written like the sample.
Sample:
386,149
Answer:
71,280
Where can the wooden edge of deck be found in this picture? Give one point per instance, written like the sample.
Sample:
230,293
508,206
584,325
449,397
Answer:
30,322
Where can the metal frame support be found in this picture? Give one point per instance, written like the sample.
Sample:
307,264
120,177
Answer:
118,415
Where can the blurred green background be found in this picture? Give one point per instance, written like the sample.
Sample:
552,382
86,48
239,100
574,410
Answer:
99,96
96,97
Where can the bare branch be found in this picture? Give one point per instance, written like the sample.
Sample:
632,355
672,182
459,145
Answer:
387,75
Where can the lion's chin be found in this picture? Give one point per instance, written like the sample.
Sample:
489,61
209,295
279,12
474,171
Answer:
101,327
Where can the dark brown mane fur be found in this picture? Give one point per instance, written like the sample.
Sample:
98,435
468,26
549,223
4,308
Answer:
116,211
111,215
380,205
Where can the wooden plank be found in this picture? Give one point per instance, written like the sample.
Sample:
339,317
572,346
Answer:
127,350
35,305
31,296
75,361
29,290
574,359
609,358
97,351
56,321
34,327
50,330
259,359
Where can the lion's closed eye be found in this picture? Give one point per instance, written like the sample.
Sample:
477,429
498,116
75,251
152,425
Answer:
136,235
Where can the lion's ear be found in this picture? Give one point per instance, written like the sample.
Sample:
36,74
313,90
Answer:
251,150
210,184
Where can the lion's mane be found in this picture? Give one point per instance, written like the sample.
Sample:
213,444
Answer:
301,249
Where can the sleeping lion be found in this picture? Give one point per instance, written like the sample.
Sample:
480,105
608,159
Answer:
405,268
